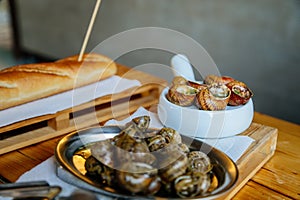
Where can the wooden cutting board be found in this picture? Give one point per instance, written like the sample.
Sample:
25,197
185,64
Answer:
259,152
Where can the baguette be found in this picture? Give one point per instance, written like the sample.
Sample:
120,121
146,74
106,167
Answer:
24,83
92,57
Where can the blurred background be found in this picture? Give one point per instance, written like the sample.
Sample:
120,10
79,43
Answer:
257,42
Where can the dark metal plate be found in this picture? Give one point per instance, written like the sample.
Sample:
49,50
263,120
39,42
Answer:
72,150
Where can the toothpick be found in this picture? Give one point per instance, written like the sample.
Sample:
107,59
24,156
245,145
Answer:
89,30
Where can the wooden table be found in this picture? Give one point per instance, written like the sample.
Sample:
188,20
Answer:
279,178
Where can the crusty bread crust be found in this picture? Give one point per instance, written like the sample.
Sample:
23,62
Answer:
24,83
92,57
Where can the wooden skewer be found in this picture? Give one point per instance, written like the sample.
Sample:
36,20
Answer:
89,30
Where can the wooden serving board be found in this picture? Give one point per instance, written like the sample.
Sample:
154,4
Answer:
259,152
34,130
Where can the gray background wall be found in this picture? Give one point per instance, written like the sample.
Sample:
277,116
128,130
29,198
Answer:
255,41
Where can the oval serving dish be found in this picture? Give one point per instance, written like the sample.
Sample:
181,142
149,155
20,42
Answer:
72,151
193,122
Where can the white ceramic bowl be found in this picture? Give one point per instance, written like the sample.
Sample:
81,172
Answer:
205,124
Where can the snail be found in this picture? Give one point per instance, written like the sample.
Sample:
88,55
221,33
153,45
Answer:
199,162
214,97
197,85
182,95
240,93
146,162
192,184
210,79
174,168
179,80
104,173
215,93
138,177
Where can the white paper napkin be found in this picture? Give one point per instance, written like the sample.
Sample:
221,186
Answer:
234,147
47,171
65,100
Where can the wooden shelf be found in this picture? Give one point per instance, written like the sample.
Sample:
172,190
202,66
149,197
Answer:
38,129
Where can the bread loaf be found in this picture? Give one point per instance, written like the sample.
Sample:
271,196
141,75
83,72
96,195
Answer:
24,83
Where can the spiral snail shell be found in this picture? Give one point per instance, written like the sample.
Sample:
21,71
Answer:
215,93
210,79
97,168
182,95
191,184
138,177
104,152
148,162
174,169
214,97
240,93
199,162
197,85
179,80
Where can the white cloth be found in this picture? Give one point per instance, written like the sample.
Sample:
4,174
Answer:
65,100
234,147
47,171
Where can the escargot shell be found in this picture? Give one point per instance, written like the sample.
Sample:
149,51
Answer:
137,177
196,85
179,80
170,135
191,184
226,79
184,148
182,95
95,167
173,169
214,97
199,162
210,79
104,152
136,127
164,137
156,142
141,123
132,149
240,93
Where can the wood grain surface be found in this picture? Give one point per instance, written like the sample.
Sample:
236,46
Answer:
38,129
